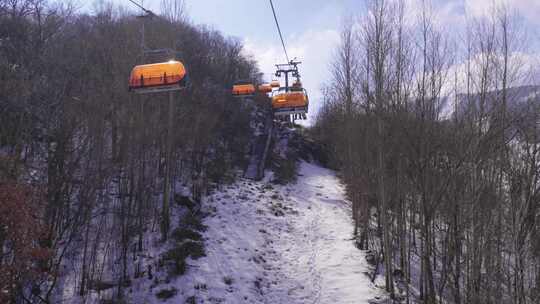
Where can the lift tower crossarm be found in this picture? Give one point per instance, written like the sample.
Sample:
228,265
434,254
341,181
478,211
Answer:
288,68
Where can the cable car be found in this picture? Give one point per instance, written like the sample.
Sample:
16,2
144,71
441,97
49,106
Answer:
158,77
274,84
290,102
243,89
265,88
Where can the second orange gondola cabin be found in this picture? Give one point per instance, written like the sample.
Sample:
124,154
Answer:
243,88
157,77
265,88
274,84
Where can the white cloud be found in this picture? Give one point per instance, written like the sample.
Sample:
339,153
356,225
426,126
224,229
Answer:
453,13
530,9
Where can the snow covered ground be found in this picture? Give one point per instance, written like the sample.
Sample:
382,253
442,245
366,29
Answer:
268,243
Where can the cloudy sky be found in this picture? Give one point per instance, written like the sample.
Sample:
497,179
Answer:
311,27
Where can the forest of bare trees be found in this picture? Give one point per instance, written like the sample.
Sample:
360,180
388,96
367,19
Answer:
437,140
82,159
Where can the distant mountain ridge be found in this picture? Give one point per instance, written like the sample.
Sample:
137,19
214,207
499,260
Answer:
517,98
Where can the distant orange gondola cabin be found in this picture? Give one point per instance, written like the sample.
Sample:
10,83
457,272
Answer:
274,84
265,88
241,89
158,77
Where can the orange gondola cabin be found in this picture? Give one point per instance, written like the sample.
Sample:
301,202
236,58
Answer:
290,102
265,88
158,77
274,84
242,89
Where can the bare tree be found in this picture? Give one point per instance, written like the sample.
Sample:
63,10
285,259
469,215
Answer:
174,10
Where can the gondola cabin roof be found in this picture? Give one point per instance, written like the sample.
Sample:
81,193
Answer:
158,77
243,89
265,88
274,84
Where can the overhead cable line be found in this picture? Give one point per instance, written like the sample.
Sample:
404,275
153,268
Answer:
279,30
149,14
141,7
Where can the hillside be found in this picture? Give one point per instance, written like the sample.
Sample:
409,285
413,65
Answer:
267,241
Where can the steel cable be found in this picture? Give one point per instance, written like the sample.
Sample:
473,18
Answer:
279,31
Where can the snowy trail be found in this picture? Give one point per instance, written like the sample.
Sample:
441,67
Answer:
280,244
